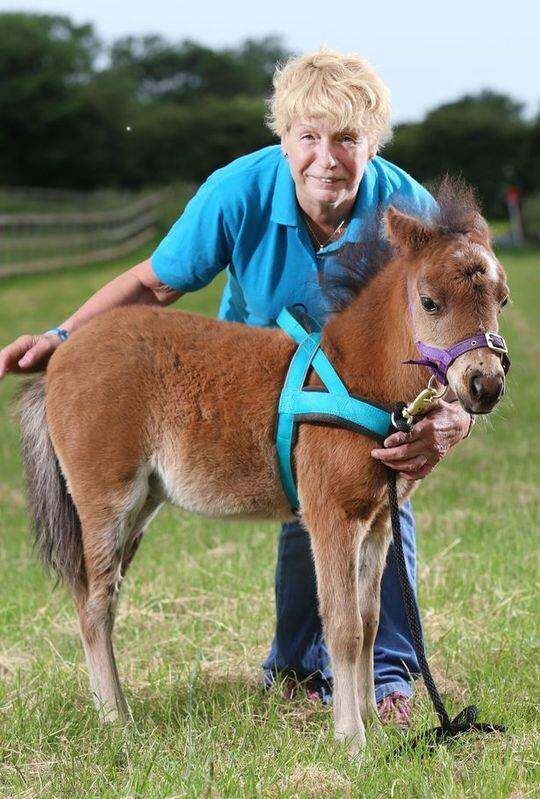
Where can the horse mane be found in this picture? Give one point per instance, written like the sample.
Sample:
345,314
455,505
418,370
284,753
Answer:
457,212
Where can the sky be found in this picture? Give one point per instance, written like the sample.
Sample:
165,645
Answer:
427,52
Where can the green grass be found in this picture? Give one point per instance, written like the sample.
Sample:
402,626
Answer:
499,227
196,618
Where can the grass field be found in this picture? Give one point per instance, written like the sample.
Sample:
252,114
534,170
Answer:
196,617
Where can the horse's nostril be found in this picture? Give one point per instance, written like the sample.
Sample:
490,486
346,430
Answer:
486,388
476,386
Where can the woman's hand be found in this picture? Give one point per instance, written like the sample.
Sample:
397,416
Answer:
413,455
27,354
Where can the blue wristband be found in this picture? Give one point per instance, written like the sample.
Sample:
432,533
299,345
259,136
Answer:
58,331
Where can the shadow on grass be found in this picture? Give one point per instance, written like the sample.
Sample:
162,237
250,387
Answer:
208,699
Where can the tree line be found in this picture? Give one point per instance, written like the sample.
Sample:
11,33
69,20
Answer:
75,113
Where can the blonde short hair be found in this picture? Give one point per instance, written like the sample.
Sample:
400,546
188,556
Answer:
344,89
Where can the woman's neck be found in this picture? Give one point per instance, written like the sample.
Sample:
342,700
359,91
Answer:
369,341
324,216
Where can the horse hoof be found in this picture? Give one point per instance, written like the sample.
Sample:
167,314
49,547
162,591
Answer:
121,715
355,742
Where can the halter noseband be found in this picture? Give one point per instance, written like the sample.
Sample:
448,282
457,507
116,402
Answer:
438,361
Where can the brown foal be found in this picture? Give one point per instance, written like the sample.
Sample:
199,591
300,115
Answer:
144,405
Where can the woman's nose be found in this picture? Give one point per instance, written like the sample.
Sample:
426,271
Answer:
326,157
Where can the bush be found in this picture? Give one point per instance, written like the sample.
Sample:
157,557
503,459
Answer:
531,217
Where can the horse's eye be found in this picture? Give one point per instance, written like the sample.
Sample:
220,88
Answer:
428,304
505,301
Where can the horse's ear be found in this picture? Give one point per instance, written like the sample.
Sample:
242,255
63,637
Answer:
406,231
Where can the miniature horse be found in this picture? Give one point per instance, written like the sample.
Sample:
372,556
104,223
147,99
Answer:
143,405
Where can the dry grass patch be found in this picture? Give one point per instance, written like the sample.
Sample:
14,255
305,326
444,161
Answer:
446,683
221,550
12,660
11,496
314,782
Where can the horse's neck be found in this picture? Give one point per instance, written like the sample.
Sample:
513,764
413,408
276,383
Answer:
369,341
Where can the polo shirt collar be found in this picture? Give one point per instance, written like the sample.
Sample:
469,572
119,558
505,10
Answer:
365,204
284,205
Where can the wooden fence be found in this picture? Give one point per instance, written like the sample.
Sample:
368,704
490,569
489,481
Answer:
38,241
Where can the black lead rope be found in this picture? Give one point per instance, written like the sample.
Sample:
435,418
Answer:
464,721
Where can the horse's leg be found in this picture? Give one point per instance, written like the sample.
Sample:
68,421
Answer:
108,551
372,558
146,514
335,543
96,606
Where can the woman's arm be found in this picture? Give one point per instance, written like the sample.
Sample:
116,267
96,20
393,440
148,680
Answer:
138,286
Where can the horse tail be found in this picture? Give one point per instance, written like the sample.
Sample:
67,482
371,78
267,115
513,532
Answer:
57,528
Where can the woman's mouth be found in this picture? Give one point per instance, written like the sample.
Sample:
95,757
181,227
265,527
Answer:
324,181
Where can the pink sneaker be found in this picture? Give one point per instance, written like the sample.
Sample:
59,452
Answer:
313,690
394,709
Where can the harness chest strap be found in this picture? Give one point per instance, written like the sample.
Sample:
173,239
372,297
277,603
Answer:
298,403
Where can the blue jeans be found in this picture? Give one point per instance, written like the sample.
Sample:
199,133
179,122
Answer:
299,647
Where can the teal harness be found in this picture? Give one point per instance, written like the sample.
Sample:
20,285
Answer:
301,403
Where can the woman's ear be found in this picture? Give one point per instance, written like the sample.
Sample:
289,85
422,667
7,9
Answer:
373,146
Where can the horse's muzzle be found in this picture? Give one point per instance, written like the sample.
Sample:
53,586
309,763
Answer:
485,391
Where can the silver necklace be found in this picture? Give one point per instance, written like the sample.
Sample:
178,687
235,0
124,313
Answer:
323,244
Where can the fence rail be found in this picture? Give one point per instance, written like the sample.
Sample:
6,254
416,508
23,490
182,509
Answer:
33,241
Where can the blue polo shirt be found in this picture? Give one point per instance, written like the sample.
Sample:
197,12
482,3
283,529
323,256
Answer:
245,219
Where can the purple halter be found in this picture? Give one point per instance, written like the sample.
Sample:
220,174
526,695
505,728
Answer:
439,361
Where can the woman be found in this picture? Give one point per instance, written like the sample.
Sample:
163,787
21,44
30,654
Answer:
275,220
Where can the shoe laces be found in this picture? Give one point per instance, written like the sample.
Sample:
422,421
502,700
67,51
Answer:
394,708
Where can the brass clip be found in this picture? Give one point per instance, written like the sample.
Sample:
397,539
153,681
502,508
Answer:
423,401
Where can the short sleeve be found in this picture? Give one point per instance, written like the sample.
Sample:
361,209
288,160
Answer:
403,191
200,243
414,199
424,205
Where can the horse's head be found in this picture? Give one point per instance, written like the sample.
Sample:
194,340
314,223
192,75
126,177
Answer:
456,288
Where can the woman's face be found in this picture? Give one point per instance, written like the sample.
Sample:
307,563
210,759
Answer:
326,165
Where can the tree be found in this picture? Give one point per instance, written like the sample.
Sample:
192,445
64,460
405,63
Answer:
191,141
44,59
189,71
482,137
64,119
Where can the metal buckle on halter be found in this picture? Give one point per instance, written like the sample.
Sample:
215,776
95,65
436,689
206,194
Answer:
496,343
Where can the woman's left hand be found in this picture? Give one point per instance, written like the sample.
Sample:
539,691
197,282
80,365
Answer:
413,455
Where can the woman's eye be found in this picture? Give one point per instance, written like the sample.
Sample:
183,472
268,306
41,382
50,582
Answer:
428,304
